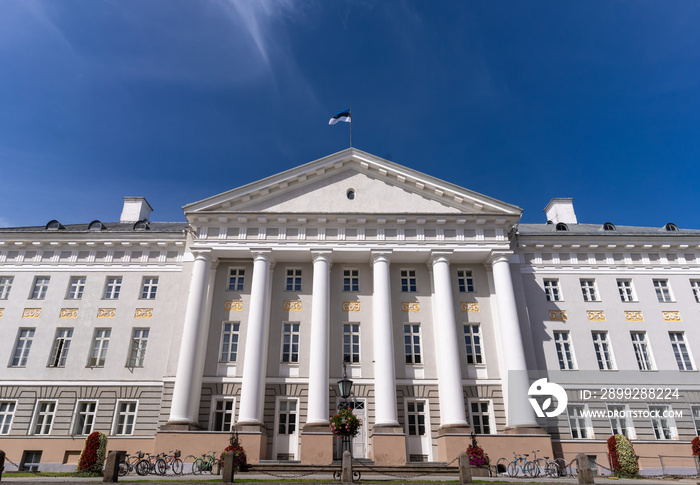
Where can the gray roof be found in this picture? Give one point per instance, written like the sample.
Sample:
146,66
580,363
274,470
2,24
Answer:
598,230
109,227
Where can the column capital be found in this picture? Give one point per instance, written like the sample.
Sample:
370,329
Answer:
499,257
262,255
440,256
205,254
322,255
380,256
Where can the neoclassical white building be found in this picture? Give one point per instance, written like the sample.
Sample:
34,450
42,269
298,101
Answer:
170,335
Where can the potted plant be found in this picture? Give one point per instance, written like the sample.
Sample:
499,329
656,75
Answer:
623,460
696,452
478,459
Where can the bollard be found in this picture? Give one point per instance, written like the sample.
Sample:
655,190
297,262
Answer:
346,475
583,470
465,469
229,468
111,473
2,463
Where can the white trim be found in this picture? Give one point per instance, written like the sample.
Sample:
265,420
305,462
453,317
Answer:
75,415
492,419
628,419
35,415
212,410
427,439
12,418
586,421
275,435
115,419
84,383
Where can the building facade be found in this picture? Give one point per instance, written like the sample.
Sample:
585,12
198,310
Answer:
444,308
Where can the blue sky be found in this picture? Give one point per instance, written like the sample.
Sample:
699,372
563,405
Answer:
180,100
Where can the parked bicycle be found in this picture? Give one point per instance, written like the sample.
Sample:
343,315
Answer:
129,464
205,463
147,465
521,464
170,461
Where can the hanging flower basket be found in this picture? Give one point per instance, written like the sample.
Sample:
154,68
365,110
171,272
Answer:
477,457
344,423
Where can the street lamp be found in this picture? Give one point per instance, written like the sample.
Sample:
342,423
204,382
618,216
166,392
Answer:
345,386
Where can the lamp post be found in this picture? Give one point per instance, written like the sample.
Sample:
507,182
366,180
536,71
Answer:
345,388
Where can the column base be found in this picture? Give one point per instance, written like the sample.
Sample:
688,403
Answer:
388,445
180,426
524,429
316,444
452,440
253,438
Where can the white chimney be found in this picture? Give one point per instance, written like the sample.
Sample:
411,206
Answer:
135,209
561,210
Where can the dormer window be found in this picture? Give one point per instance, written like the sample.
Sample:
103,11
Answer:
562,227
671,227
609,226
54,226
141,225
96,226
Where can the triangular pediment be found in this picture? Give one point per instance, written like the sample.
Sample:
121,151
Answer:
352,181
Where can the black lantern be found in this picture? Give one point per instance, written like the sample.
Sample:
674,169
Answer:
345,385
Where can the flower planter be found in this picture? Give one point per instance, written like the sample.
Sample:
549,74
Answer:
480,472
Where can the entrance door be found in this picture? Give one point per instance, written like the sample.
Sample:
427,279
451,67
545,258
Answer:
359,442
417,431
286,429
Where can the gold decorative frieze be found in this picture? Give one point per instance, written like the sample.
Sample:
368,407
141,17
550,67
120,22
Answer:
471,306
143,313
233,305
351,306
291,305
672,316
106,312
558,315
634,316
31,313
68,313
1,310
410,306
595,315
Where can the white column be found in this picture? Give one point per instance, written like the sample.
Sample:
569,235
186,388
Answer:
320,331
384,373
188,381
452,411
254,364
515,389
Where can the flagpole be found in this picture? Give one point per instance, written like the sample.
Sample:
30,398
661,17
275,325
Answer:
351,127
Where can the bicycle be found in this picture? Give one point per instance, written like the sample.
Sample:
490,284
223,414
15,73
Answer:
556,468
521,463
205,463
539,465
147,465
171,460
129,464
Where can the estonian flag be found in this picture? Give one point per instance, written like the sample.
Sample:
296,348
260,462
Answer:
340,116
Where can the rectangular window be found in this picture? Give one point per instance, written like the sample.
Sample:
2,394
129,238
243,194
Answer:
61,346
694,284
126,417
236,279
589,291
229,341
480,417
287,416
603,351
626,290
5,286
416,418
43,417
411,339
408,280
293,279
139,340
76,287
149,288
681,351
41,285
351,280
113,287
465,281
472,343
30,461
290,343
223,415
552,291
580,425
663,291
620,423
85,417
25,337
565,351
100,344
642,350
7,412
662,421
351,342
696,418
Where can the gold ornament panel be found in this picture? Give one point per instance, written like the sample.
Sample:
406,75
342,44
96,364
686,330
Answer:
471,306
68,313
558,315
634,316
351,306
106,312
595,315
233,305
410,306
291,305
143,313
31,313
672,316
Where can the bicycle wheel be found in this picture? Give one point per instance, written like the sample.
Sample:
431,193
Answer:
560,467
177,466
197,466
513,469
160,467
530,469
143,467
123,469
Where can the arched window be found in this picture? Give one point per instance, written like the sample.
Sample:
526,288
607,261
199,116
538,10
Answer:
96,226
54,226
141,225
671,227
609,226
562,227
